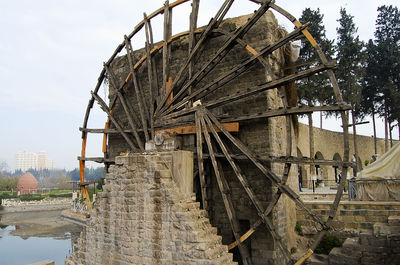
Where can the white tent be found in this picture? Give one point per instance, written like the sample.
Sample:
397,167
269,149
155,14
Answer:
380,181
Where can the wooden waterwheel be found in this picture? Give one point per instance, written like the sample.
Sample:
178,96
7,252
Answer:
193,96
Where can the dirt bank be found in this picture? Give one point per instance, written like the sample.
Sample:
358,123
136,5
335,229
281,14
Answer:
37,221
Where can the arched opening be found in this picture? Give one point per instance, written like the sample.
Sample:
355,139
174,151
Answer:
320,171
302,173
336,169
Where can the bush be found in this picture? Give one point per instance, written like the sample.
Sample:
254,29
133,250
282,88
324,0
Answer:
298,228
31,197
61,195
327,244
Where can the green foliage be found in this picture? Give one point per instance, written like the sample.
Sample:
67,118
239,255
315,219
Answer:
31,197
298,228
293,250
61,195
350,57
8,183
366,162
327,244
315,88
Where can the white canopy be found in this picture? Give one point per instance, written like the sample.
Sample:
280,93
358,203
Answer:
386,166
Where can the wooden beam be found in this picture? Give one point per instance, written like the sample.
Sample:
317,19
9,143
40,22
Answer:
139,97
199,146
237,70
115,122
225,193
230,127
196,48
252,91
221,53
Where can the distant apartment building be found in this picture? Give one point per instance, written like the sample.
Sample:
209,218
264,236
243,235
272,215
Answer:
29,160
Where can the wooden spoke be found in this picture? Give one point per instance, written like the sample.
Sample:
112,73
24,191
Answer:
253,90
203,186
136,86
192,38
246,187
115,122
203,36
236,71
226,194
221,53
149,73
125,104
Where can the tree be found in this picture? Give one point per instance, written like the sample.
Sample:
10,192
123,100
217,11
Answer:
387,56
315,88
350,57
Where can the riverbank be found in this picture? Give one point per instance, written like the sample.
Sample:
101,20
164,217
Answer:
37,218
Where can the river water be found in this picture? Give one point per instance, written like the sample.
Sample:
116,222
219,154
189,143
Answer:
20,250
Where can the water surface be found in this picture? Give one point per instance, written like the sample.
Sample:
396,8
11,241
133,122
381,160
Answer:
20,250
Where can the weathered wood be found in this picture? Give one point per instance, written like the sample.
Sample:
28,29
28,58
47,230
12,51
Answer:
192,38
106,130
149,74
125,107
230,127
284,112
139,98
221,53
225,193
268,173
165,55
96,159
237,70
244,182
196,48
253,90
199,146
115,122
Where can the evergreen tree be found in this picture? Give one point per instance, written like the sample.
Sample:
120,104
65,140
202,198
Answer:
387,57
350,57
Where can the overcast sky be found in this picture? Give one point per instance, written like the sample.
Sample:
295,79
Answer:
51,53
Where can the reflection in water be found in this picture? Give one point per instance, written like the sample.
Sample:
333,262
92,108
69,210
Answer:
25,250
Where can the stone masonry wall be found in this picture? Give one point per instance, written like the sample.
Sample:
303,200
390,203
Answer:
143,217
261,136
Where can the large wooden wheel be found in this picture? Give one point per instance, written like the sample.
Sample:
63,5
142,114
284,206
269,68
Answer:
166,103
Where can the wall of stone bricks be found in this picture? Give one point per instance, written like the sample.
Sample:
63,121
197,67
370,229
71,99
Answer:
262,137
143,217
351,215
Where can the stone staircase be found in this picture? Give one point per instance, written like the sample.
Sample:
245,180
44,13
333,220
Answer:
143,217
378,246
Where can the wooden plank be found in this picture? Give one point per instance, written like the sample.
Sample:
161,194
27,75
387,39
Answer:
221,53
237,70
253,90
196,48
199,147
190,129
192,38
225,193
149,75
126,108
115,122
96,159
139,98
165,55
246,186
105,130
268,173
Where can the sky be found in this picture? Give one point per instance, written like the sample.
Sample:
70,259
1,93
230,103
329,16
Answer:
51,53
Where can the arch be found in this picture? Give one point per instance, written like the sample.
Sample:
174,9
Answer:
320,170
336,169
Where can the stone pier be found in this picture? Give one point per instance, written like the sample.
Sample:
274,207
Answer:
147,214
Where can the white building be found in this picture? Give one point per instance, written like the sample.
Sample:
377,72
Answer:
29,160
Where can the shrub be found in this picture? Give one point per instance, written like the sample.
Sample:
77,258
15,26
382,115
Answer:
327,244
298,228
61,195
31,197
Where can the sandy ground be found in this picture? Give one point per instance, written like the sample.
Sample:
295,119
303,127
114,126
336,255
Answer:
38,223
